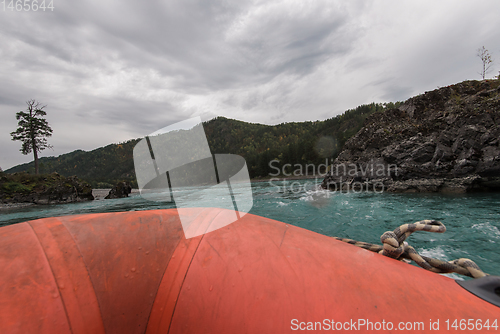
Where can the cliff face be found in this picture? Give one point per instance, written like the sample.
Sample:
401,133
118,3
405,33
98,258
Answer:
446,140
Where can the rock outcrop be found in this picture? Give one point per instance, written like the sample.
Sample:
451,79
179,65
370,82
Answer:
446,140
43,189
120,190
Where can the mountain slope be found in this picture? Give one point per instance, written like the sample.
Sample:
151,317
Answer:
290,143
446,140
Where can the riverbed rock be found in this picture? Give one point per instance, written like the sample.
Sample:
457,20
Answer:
43,189
446,140
120,190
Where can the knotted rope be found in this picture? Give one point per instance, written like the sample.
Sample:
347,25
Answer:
395,246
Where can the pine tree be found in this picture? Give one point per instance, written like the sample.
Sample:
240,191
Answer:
33,130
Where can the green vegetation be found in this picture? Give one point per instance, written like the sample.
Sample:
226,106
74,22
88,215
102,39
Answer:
305,143
14,187
26,183
290,143
102,167
42,188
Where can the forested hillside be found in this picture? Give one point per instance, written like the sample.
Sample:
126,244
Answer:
290,143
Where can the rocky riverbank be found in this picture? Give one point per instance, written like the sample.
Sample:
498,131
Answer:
22,189
101,194
446,140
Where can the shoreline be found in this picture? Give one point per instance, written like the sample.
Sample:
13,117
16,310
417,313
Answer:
100,194
8,206
286,178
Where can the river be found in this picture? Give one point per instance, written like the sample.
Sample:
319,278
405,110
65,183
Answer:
472,220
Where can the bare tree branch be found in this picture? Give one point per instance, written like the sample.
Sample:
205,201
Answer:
485,57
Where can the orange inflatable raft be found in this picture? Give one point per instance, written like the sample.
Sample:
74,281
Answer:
135,272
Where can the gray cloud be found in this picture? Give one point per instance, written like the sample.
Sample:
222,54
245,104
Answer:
115,70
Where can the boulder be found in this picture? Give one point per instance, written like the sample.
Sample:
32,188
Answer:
120,190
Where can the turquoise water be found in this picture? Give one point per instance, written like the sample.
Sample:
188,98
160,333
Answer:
472,220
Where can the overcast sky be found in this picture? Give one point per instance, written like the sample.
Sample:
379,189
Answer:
110,71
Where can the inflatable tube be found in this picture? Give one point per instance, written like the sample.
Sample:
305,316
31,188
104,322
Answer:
135,272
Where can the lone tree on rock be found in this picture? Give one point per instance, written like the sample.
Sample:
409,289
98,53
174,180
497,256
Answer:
33,130
485,57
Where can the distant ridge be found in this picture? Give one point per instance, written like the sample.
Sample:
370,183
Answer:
291,143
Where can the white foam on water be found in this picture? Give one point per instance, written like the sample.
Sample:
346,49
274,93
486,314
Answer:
487,228
435,253
316,194
439,253
454,276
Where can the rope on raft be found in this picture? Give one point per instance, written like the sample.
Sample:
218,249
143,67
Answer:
395,246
